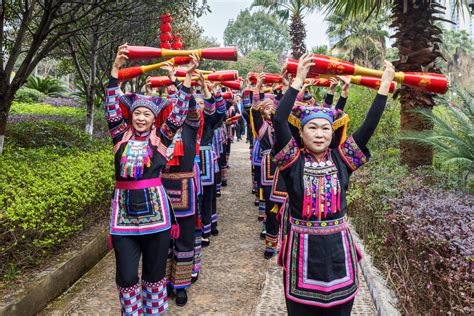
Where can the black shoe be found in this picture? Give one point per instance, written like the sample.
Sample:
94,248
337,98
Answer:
215,232
268,254
263,234
181,297
224,183
261,218
257,202
194,279
205,242
218,194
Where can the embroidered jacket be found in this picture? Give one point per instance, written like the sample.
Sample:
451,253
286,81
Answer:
140,204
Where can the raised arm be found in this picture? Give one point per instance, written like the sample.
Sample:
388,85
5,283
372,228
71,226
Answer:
329,99
341,103
280,121
178,114
113,113
366,130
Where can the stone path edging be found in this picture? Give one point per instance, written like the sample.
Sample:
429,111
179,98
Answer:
384,298
52,283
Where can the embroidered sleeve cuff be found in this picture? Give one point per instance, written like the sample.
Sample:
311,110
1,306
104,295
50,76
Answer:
287,156
352,155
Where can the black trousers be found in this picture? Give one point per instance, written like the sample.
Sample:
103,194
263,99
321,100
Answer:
271,223
154,251
298,309
209,198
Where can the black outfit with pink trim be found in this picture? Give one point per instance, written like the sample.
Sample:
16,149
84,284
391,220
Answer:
317,251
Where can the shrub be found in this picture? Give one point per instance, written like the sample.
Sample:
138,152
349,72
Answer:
28,95
430,246
47,196
45,109
452,137
370,189
47,133
419,234
47,85
388,131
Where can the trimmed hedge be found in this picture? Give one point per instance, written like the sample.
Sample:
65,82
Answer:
55,181
46,109
37,134
46,196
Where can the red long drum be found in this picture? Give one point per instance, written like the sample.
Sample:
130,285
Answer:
431,82
214,53
164,81
133,72
267,77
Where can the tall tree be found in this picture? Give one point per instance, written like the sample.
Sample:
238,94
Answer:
294,11
30,31
417,39
257,31
92,48
363,42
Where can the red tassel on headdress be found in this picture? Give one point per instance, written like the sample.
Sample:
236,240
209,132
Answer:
201,129
163,115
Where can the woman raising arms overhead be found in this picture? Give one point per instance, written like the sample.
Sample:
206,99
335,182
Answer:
318,254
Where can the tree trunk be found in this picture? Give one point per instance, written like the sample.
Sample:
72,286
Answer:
91,91
298,36
5,104
415,32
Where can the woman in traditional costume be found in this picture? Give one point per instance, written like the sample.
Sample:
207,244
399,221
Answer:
142,216
318,254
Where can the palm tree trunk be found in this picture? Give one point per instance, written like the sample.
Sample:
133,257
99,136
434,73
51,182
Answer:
297,36
416,41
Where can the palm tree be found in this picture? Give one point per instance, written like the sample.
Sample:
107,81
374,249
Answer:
417,39
362,41
295,11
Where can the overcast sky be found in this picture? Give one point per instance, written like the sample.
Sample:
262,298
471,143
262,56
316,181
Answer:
215,22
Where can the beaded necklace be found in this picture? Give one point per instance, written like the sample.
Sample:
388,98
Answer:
321,187
136,155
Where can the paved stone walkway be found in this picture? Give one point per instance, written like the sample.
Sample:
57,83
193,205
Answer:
235,279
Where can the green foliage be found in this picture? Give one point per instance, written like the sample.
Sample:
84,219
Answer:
28,95
387,134
36,134
362,40
321,49
49,86
371,188
45,109
453,135
457,48
257,61
256,31
46,196
81,95
285,9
